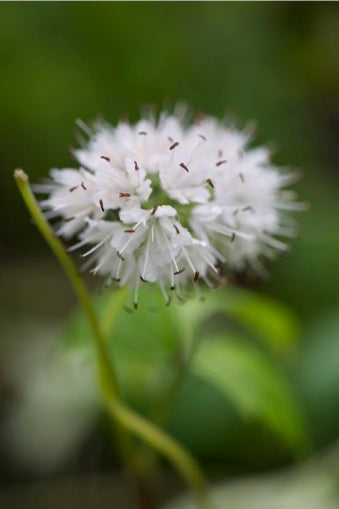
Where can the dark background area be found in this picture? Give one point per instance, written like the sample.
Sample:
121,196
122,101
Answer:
273,63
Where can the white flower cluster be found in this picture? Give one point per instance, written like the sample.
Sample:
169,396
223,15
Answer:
165,202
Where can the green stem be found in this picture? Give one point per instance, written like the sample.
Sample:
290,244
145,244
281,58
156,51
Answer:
82,294
159,440
124,416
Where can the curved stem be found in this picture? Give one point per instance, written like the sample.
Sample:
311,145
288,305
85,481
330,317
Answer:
80,289
124,416
159,440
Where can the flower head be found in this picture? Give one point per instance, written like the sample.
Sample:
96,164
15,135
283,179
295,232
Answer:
165,202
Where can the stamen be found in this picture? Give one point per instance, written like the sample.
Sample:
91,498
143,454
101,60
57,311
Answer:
248,208
233,237
219,163
83,186
129,240
210,183
101,205
143,133
163,291
176,229
154,209
120,256
196,276
116,279
105,239
182,165
136,293
175,144
68,219
202,137
143,280
117,274
242,178
124,195
146,261
105,158
73,189
179,271
136,166
172,256
76,246
130,230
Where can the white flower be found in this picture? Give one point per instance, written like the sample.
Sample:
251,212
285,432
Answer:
165,202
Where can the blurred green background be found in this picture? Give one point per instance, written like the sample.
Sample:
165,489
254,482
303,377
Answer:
274,63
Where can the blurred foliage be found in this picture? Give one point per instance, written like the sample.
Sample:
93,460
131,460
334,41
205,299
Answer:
153,345
313,485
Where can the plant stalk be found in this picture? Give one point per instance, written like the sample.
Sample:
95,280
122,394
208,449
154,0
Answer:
126,418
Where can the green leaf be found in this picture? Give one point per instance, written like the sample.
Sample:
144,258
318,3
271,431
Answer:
144,343
255,386
271,322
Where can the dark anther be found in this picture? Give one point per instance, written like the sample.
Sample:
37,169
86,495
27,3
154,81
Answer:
83,186
242,178
143,280
136,167
130,230
219,163
196,276
116,279
210,183
154,209
120,256
143,133
182,165
73,189
135,305
68,219
175,144
176,229
233,237
202,137
179,271
248,208
101,205
124,195
172,287
106,158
